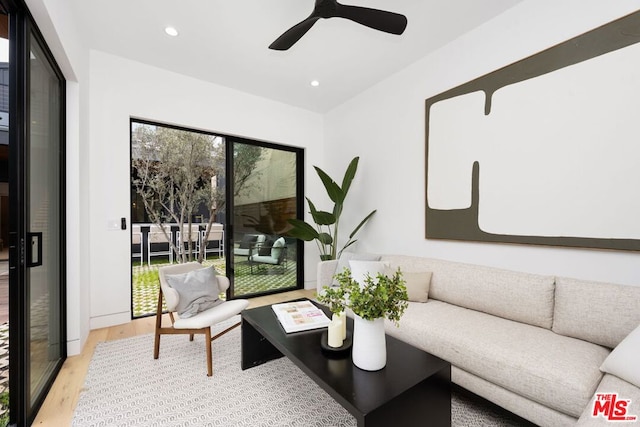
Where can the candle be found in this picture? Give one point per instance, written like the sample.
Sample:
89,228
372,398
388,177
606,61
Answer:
343,318
335,333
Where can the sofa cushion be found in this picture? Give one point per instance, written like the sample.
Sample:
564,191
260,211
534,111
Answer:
523,297
602,313
535,412
623,362
556,371
417,284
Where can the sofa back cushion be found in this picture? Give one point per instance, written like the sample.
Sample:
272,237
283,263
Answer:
522,297
602,313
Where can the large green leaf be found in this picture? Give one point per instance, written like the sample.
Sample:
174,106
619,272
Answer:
325,238
302,230
334,191
363,222
349,175
321,217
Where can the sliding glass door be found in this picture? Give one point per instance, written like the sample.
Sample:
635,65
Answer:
267,191
235,195
36,242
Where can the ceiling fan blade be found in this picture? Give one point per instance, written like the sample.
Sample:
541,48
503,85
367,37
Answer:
382,20
293,34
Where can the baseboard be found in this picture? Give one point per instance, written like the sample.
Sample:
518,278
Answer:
109,320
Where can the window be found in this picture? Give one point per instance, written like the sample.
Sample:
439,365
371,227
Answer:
184,208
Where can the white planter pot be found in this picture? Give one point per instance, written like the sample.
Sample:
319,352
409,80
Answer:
369,351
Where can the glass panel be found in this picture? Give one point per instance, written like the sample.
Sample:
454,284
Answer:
177,177
44,216
264,199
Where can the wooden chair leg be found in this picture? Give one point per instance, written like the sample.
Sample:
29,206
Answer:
207,342
190,337
156,345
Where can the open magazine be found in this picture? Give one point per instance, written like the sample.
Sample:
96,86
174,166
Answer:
299,316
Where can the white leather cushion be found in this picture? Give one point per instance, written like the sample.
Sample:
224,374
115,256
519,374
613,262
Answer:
623,360
221,312
277,248
417,285
361,269
198,290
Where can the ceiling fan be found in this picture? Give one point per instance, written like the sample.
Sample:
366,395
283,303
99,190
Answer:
381,20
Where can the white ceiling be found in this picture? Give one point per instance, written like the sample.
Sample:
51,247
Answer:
225,42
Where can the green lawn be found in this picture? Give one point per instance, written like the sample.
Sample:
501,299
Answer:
263,279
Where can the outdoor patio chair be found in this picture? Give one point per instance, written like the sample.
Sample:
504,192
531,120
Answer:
268,253
136,243
216,235
248,242
194,290
182,240
157,237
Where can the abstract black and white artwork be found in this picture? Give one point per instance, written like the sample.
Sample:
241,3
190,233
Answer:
544,151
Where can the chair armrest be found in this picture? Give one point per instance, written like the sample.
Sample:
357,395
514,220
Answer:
171,297
223,283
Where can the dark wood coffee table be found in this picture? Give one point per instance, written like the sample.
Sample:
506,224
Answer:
413,389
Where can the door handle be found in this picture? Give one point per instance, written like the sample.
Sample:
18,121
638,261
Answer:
34,249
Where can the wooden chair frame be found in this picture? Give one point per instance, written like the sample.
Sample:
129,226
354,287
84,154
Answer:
191,332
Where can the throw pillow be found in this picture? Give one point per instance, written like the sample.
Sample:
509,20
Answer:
360,269
343,262
265,248
197,290
417,285
247,240
623,360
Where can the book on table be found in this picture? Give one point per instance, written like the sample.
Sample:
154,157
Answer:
299,316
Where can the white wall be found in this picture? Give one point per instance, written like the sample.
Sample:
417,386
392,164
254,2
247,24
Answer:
386,127
121,89
57,24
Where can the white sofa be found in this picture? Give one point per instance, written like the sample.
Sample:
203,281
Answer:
532,344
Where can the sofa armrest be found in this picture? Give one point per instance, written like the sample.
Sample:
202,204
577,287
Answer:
326,271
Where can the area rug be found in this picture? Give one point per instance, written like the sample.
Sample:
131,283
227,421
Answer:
125,386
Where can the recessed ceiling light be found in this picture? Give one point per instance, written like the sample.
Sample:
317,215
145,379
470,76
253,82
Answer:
315,83
171,31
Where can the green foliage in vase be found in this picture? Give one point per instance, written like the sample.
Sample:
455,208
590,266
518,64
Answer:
325,232
380,296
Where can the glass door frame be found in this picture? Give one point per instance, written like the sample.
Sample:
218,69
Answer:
22,29
229,202
230,213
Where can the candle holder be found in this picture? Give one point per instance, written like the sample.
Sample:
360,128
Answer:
336,352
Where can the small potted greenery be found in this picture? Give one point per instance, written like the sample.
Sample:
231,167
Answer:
371,301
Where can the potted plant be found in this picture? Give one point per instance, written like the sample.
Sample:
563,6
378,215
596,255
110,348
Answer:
372,300
325,232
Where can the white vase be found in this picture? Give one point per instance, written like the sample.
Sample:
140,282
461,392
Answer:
369,351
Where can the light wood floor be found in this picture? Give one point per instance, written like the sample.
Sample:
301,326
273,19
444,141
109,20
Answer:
57,409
